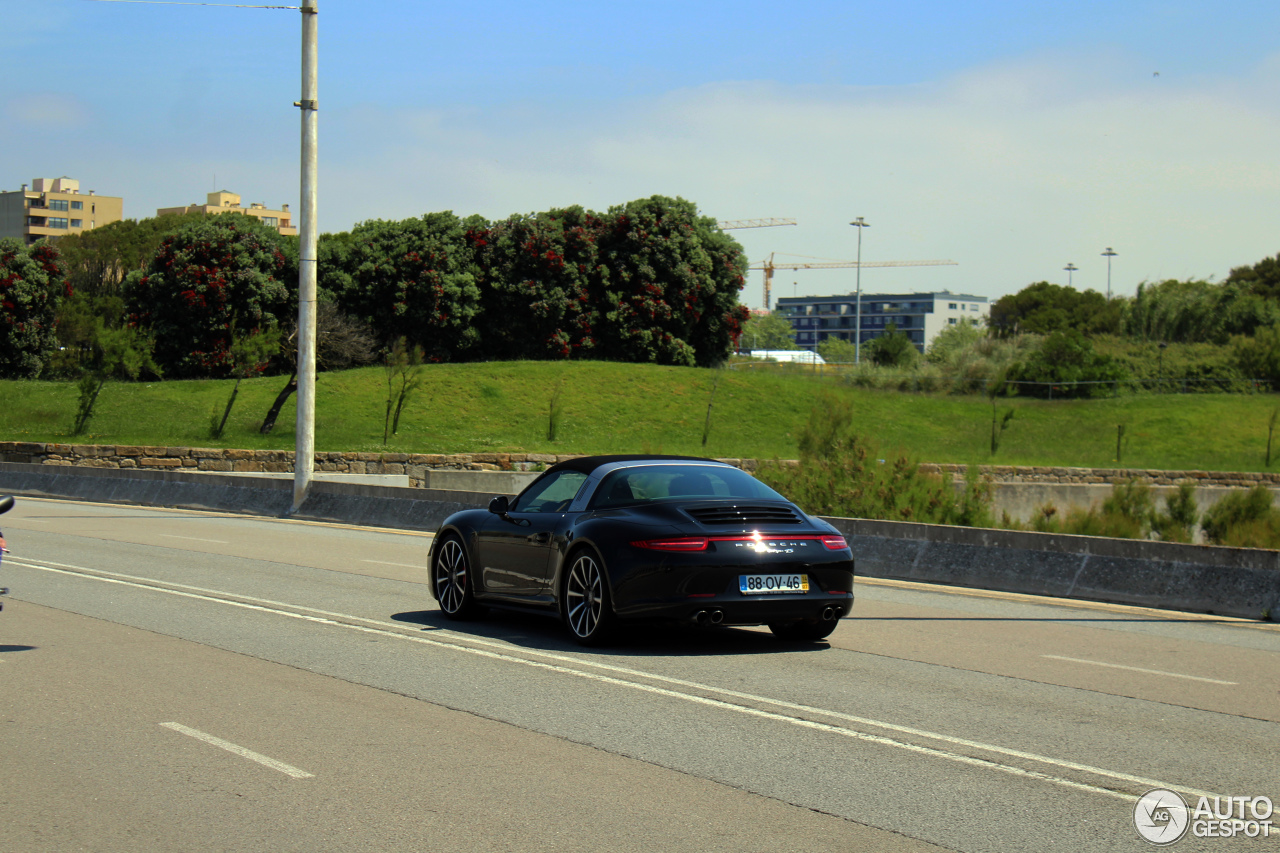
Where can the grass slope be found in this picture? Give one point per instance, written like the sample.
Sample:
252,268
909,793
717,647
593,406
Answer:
608,407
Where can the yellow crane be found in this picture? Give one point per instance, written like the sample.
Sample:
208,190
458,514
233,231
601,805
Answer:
818,264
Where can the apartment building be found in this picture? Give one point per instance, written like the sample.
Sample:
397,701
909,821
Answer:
54,207
921,316
228,202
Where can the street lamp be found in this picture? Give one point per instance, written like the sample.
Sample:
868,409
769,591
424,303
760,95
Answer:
1070,268
1109,254
859,223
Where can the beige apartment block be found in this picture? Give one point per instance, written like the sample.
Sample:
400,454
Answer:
227,202
54,207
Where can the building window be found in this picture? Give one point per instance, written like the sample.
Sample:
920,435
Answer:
57,222
58,204
951,305
952,321
77,205
37,221
273,221
77,223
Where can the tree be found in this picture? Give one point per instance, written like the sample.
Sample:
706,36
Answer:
948,345
1042,308
669,286
98,260
1262,279
1063,360
214,275
31,280
1259,356
1197,312
768,331
892,349
837,351
416,279
538,276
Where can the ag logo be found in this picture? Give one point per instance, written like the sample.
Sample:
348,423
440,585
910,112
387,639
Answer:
1161,817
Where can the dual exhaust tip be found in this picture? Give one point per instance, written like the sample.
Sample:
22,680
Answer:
830,613
709,617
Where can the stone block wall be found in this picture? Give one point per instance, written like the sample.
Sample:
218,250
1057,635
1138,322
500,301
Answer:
415,464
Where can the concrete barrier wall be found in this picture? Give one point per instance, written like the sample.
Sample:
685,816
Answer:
1243,582
1228,581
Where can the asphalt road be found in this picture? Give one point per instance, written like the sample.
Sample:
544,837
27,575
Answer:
189,681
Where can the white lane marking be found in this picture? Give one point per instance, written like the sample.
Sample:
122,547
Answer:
405,565
1140,669
191,538
395,630
287,769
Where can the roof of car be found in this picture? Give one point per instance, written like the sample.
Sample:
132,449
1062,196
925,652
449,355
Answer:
587,464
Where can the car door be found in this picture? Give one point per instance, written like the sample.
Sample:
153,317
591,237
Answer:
515,548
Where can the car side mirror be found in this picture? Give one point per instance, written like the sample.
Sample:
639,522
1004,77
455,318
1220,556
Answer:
6,503
499,505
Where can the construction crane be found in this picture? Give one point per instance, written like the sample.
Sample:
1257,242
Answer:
769,266
734,224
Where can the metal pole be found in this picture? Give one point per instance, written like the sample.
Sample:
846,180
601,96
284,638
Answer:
1070,268
304,456
859,223
1109,254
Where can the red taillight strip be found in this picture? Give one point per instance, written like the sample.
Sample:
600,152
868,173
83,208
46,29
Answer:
681,543
700,543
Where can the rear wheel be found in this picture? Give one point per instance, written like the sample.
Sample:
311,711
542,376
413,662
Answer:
803,631
451,574
588,610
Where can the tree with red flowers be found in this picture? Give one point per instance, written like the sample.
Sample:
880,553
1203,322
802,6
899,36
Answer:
31,280
215,278
414,279
670,290
537,285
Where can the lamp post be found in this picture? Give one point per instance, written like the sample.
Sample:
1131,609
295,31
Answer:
304,453
1070,268
858,223
1109,254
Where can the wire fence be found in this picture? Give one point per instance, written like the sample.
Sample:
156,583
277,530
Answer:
937,381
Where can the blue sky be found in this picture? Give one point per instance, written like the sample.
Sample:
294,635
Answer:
1010,137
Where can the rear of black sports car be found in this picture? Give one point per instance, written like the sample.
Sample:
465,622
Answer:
724,562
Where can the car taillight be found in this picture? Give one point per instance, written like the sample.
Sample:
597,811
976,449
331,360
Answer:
834,543
681,543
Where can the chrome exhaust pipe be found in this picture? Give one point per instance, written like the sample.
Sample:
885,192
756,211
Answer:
700,617
830,614
717,616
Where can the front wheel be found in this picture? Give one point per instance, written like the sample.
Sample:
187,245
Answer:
588,610
803,631
451,575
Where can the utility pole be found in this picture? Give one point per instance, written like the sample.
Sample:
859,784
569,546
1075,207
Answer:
1109,254
309,232
1070,268
859,223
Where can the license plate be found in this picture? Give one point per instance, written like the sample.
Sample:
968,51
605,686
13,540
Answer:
772,584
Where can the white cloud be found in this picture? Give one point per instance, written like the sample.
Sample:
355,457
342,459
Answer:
46,111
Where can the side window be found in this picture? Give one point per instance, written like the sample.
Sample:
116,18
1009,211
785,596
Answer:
551,494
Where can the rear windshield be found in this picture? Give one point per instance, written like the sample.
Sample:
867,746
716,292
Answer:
688,482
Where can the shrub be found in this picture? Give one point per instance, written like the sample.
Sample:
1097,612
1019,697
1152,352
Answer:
1244,519
841,473
1178,521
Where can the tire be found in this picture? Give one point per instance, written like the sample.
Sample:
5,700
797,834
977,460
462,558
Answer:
586,603
451,580
803,631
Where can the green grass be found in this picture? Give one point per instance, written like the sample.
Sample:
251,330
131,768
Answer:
624,408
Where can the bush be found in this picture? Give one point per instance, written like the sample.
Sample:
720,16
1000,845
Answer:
1065,365
840,474
31,280
1244,519
1178,521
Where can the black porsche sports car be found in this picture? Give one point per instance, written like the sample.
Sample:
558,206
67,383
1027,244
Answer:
606,538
